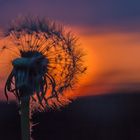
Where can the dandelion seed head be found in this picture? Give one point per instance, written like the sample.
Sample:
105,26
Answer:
47,61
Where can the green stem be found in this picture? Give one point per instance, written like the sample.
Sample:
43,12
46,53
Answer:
25,118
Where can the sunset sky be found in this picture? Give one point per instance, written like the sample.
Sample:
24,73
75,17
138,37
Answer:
108,31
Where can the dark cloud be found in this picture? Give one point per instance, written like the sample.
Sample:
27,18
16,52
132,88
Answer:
116,80
124,13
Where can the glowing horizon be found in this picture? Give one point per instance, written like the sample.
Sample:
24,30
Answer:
112,61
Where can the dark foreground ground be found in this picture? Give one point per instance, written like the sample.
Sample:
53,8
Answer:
108,117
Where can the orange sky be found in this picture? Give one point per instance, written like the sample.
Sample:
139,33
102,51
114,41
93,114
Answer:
112,59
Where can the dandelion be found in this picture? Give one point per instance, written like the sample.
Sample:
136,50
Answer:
45,62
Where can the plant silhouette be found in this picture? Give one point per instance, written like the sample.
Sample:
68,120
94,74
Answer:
46,61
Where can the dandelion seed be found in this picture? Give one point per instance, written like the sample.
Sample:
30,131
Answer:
46,66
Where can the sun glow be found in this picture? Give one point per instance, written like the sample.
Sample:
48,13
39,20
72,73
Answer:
111,60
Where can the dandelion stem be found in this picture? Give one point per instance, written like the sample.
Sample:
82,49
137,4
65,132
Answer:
25,118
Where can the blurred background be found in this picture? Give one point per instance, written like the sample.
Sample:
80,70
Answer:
107,105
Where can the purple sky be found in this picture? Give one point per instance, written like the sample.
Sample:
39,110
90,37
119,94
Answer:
124,14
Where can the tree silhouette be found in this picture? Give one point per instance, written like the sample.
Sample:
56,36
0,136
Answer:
46,61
